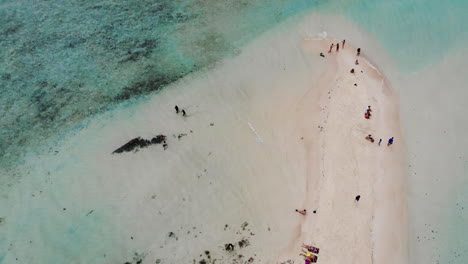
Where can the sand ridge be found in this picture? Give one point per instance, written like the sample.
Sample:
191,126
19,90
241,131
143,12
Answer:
372,230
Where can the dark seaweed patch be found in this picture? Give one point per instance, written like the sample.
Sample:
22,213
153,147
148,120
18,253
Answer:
74,42
12,28
243,243
139,49
139,142
144,87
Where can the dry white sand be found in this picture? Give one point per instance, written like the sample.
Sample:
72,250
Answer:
274,129
373,230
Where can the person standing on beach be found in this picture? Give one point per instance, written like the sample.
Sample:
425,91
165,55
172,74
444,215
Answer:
358,198
176,109
390,141
380,141
337,46
344,41
331,47
229,247
359,51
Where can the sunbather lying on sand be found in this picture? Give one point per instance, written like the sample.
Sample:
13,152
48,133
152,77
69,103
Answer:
302,212
311,248
309,256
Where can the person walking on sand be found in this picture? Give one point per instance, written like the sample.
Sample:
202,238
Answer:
331,47
302,212
344,41
356,62
359,51
380,141
337,46
183,112
176,109
390,141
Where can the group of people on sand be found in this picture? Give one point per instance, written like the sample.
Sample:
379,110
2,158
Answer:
371,139
177,111
165,146
309,253
337,45
367,115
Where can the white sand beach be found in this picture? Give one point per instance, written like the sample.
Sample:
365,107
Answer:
276,128
345,165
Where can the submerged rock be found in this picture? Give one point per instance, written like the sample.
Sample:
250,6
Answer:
139,142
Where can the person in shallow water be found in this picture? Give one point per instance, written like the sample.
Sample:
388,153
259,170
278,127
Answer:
183,112
390,141
176,109
302,212
380,141
358,198
359,51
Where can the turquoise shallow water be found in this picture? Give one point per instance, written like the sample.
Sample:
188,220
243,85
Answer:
63,62
416,32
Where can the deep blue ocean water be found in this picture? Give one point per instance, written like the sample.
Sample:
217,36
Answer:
63,62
